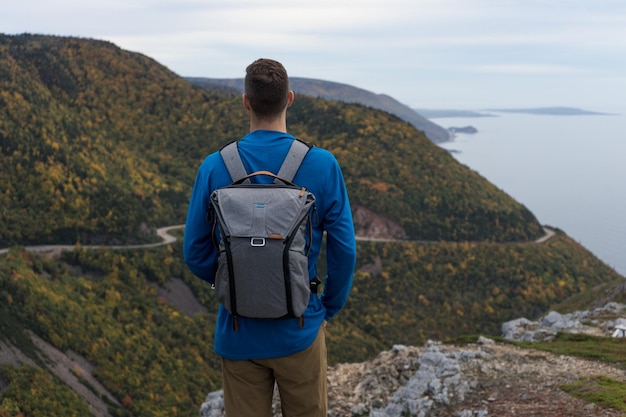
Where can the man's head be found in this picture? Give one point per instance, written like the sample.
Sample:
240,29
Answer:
267,88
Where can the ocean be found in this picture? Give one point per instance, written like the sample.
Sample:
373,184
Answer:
570,171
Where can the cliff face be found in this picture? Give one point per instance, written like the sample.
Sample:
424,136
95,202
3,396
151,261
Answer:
71,368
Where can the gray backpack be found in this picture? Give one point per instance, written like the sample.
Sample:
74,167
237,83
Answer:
265,234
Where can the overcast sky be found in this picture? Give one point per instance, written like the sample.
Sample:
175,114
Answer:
455,54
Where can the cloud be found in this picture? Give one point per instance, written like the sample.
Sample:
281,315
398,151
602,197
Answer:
409,48
526,69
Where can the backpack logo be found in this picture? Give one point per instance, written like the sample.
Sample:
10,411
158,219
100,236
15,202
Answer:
265,232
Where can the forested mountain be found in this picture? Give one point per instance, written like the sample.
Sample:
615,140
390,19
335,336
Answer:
98,143
95,141
101,145
341,92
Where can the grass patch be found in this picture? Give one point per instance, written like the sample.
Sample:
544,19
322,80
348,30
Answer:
462,340
599,390
606,349
471,339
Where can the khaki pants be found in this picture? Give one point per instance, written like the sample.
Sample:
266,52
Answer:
301,380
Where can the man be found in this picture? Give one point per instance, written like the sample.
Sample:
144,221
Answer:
263,352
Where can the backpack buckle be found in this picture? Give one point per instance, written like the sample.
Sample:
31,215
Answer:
257,241
314,284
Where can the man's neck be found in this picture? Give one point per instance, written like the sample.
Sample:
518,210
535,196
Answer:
279,125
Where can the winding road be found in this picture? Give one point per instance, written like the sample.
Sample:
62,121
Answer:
164,234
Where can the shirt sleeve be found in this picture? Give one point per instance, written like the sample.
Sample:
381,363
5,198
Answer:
199,250
340,246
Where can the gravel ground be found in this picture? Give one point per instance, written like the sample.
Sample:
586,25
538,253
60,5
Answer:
507,381
524,382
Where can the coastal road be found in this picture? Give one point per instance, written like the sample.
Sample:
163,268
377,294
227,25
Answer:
164,234
548,235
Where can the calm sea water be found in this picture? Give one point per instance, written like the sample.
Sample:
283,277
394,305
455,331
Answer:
570,171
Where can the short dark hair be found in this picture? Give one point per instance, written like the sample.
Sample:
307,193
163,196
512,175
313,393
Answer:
267,87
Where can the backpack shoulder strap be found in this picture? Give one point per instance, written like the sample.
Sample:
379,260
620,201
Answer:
233,162
296,154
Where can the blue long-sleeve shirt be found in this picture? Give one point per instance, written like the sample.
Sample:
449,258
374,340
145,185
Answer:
319,173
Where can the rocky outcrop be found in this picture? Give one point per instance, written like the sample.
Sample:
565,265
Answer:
405,381
439,381
599,322
475,380
372,226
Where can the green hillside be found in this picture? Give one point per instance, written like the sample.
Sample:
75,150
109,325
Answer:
100,145
97,143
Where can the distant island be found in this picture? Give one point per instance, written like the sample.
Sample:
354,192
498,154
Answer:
548,111
435,113
553,111
469,130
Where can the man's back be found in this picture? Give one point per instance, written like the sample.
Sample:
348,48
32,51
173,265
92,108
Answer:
321,175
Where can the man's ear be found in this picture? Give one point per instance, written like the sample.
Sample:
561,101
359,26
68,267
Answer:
246,102
290,98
